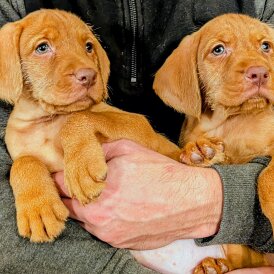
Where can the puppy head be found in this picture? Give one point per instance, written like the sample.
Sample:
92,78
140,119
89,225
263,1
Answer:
228,62
51,56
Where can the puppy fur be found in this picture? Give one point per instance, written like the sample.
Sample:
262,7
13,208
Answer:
222,78
55,73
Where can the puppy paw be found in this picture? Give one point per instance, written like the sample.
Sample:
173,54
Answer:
41,218
212,266
204,152
85,180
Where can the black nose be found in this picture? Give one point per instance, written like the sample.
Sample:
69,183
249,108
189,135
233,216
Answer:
85,77
257,75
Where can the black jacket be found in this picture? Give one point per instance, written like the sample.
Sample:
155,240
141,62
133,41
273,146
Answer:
138,35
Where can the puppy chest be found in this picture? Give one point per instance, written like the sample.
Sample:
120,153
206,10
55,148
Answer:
247,138
41,141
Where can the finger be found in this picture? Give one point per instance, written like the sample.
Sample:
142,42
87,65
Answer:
119,148
76,210
59,182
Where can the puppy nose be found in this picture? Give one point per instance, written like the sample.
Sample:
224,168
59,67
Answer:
85,76
257,75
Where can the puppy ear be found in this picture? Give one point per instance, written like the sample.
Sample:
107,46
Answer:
103,63
176,82
11,80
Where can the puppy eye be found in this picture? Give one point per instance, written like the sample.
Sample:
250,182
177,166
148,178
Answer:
43,48
89,47
265,47
218,50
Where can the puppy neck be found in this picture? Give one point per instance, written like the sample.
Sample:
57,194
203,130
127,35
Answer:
30,111
213,118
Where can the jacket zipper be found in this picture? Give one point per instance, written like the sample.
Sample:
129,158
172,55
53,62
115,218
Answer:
134,28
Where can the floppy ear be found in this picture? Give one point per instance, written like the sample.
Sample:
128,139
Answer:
11,80
176,82
104,64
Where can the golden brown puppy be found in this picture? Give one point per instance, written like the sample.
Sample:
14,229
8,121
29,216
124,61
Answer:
222,78
52,67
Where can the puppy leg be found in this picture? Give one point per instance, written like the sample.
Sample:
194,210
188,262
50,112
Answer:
237,257
40,212
213,266
266,191
82,136
241,256
85,167
203,152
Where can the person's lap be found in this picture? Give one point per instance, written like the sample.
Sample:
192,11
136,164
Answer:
75,251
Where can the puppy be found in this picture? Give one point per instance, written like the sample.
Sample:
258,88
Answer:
222,78
55,73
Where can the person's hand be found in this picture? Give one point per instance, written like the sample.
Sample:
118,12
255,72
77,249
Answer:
150,200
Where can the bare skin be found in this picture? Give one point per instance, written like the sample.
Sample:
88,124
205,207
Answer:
134,212
150,200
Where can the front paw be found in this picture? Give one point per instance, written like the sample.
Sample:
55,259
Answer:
84,179
42,217
204,152
213,266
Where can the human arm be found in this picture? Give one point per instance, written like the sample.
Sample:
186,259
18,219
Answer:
150,200
149,195
243,221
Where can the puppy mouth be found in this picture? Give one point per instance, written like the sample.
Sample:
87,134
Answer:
254,104
257,95
65,102
69,97
257,98
257,101
79,105
252,100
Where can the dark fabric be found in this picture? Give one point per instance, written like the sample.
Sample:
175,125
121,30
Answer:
243,221
11,10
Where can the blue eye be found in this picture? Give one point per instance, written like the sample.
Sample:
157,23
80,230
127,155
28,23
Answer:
43,48
89,47
265,47
218,50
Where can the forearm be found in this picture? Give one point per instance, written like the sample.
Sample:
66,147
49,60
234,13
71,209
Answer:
201,201
242,219
150,200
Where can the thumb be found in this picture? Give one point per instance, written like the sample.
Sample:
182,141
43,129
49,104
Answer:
119,148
